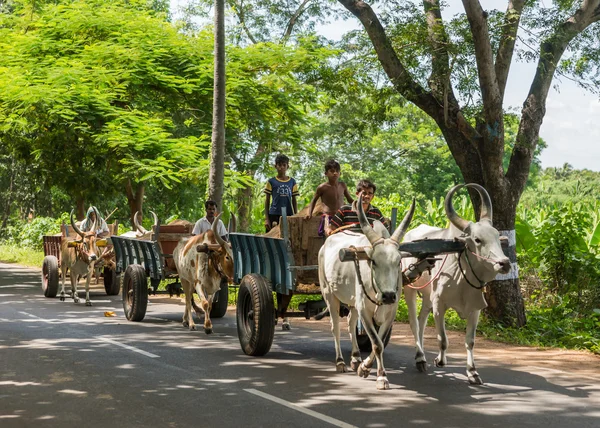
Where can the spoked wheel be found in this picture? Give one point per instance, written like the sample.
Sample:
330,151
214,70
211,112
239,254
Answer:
135,293
112,285
219,308
50,276
255,315
364,343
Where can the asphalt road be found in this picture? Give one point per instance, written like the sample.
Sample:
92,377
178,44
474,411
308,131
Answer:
66,365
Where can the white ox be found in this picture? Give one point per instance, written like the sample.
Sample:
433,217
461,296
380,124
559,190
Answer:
202,271
79,260
372,292
456,280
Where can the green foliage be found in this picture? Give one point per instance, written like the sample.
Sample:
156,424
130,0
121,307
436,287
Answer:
29,234
22,255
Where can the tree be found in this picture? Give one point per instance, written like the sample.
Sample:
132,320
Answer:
475,133
217,158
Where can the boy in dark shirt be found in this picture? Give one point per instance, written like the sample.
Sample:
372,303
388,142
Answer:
347,215
331,193
284,191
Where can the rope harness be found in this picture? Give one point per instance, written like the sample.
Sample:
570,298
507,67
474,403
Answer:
360,281
409,283
466,251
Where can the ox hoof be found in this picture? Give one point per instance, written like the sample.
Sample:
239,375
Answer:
62,298
382,383
439,363
185,324
286,326
474,378
422,366
88,303
192,327
354,365
208,330
341,367
363,371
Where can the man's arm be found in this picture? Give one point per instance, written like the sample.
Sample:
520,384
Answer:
347,194
267,206
313,202
336,222
295,204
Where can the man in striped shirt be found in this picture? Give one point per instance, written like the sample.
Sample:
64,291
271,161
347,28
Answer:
347,216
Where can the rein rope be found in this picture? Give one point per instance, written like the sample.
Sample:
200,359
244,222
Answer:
360,281
481,283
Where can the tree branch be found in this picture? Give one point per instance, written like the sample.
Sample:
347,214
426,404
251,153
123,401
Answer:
508,38
292,22
239,11
534,108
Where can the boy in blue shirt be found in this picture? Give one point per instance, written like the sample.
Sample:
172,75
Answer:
284,191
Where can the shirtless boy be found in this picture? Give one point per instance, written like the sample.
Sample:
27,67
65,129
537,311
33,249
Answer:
332,194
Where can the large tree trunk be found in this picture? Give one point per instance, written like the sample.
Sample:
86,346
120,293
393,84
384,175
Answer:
9,197
216,173
244,208
135,199
80,202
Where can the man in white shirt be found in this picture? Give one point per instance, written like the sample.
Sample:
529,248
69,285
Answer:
101,226
205,223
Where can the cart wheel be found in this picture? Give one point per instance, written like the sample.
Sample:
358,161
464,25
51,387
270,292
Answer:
135,293
219,308
111,283
364,343
255,315
50,276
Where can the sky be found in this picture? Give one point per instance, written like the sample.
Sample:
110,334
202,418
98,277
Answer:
571,127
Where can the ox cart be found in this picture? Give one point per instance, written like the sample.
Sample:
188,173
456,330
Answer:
289,265
51,272
140,261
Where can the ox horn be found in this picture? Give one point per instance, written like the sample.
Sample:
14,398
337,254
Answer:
156,222
75,228
459,222
486,202
232,224
214,227
138,226
371,235
401,231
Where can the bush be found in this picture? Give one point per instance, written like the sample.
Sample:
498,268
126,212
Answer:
29,234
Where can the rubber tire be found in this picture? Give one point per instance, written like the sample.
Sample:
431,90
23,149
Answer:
50,276
112,285
364,343
219,309
135,293
255,333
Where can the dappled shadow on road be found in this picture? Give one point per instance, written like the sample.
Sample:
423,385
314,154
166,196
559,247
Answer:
83,363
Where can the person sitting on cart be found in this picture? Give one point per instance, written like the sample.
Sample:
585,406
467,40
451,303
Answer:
284,191
346,218
101,226
332,195
205,223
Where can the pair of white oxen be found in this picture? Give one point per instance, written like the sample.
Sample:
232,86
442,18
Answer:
371,288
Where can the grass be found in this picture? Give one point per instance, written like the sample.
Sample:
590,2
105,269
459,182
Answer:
10,253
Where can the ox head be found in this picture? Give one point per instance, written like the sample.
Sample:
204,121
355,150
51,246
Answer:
480,238
384,255
87,248
225,253
143,232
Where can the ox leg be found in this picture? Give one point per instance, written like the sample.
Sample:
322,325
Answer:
472,321
88,302
205,304
74,293
439,313
410,296
334,310
352,325
64,278
188,320
377,345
